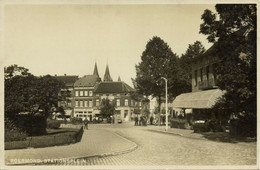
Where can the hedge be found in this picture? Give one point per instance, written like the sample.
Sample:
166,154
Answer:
179,123
47,140
12,133
53,124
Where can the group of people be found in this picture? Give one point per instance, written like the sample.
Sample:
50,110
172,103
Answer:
140,121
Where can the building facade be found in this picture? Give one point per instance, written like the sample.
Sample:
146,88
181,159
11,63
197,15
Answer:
88,92
204,93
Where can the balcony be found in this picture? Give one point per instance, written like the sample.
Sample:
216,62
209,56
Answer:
207,84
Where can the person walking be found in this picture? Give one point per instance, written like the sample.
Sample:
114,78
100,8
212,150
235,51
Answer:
86,123
136,121
151,120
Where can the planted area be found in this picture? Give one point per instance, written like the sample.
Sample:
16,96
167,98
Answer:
55,137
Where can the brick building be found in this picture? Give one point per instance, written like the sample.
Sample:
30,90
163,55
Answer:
204,90
88,92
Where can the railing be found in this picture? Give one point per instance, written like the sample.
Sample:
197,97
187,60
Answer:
207,84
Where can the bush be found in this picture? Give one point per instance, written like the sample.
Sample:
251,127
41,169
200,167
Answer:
12,133
178,123
76,121
53,124
33,125
200,126
244,126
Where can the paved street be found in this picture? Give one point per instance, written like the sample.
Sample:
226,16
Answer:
158,149
155,148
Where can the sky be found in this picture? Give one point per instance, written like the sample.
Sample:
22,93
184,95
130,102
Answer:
68,39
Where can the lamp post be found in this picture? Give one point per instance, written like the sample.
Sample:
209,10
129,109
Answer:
166,103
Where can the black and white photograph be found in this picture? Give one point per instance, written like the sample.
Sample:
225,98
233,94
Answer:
129,84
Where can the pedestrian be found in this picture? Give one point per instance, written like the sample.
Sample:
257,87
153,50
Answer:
86,123
151,120
136,121
140,120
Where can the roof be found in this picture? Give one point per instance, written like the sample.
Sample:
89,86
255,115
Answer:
107,76
198,100
86,81
113,87
68,80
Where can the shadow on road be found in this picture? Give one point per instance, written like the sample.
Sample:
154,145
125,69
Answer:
225,137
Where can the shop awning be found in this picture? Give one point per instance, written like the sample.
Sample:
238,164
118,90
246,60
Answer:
198,100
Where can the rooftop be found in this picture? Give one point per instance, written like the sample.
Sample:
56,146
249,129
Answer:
87,81
68,80
113,87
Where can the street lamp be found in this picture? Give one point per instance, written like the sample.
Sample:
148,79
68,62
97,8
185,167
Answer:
166,103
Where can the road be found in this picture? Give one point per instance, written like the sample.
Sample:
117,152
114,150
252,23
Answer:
160,149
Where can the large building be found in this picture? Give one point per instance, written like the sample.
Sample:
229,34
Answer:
88,92
204,90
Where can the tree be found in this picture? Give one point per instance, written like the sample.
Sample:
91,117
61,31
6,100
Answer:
14,70
157,61
233,28
31,94
107,108
194,50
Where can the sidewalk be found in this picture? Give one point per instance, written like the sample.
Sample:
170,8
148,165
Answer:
92,144
213,136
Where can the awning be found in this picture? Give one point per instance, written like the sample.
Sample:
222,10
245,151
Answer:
198,100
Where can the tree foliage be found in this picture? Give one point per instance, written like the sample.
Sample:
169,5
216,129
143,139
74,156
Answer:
107,107
157,61
28,93
186,61
233,27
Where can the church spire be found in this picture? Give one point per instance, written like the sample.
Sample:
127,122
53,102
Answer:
107,76
96,70
119,79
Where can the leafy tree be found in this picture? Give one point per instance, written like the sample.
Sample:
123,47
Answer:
14,70
107,107
233,27
28,93
157,61
186,60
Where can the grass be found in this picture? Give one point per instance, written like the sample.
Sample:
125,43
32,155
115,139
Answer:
53,138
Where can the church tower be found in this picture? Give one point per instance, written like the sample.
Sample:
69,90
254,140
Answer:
119,79
107,76
96,70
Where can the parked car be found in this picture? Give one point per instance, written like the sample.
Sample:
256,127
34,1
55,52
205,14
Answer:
119,121
97,120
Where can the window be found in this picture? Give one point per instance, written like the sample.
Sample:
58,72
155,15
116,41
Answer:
81,93
126,102
97,102
81,103
207,72
214,66
201,74
76,103
132,102
76,93
86,103
90,103
140,103
90,93
196,77
86,93
117,102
